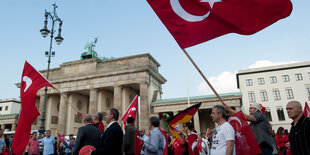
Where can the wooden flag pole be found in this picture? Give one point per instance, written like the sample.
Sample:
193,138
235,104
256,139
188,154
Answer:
203,76
67,100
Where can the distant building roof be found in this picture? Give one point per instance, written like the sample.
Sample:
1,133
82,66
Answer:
10,100
196,97
8,115
271,69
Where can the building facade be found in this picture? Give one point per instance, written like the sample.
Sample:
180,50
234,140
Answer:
202,119
94,85
9,112
274,87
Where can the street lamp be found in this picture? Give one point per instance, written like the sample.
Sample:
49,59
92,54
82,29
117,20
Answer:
44,32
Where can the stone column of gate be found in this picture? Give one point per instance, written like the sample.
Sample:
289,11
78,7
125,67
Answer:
62,113
93,98
41,104
197,122
144,106
118,99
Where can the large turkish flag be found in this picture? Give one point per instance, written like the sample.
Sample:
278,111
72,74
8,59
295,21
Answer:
31,82
195,21
245,142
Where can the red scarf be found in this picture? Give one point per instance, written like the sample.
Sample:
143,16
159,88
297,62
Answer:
199,145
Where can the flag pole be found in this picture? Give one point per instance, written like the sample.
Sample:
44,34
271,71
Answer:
67,100
203,76
186,75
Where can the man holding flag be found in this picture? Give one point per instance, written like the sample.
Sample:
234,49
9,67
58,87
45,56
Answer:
223,136
31,82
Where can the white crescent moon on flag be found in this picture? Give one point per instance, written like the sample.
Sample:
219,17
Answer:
28,82
234,118
177,8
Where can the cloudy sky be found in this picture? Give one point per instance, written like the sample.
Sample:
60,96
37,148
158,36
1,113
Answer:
127,28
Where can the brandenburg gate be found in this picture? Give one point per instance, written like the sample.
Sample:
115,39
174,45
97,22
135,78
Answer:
95,85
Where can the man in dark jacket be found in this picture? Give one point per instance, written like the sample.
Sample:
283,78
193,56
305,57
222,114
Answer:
112,139
87,135
129,139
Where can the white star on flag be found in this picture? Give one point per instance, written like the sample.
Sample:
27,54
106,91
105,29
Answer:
211,2
238,134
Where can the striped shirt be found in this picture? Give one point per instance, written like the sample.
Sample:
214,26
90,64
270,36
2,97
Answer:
300,137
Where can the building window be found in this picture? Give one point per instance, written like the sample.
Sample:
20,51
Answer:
273,79
264,96
298,76
280,114
289,93
308,93
268,114
0,108
309,75
251,97
261,81
249,82
285,78
276,95
6,108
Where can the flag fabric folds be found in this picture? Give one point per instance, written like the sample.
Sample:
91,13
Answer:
306,110
65,141
165,150
182,117
245,142
31,82
192,22
138,144
131,111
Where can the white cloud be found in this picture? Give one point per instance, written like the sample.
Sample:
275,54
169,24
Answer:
226,81
223,83
265,63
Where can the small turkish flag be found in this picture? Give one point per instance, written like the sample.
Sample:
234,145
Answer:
306,110
138,144
244,139
31,82
131,111
192,22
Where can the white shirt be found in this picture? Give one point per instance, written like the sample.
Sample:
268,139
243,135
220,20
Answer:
144,139
222,133
111,123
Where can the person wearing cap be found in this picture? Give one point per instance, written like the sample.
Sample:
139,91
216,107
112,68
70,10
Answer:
259,124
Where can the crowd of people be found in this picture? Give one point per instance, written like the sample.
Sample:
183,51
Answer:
218,141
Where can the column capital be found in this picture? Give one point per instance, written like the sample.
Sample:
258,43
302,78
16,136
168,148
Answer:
118,86
144,83
93,89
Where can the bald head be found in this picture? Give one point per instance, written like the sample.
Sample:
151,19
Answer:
88,118
294,110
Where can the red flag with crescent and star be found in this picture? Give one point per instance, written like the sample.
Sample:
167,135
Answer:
131,111
138,144
245,142
192,22
306,110
31,82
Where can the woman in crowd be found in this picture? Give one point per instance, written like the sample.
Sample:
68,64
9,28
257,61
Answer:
282,140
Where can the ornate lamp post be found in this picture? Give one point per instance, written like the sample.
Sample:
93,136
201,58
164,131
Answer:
44,32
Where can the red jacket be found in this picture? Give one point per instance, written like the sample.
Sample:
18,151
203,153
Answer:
99,125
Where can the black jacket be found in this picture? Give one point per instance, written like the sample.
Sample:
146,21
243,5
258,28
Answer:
111,141
87,135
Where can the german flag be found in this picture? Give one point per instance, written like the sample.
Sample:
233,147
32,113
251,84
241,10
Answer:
182,117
